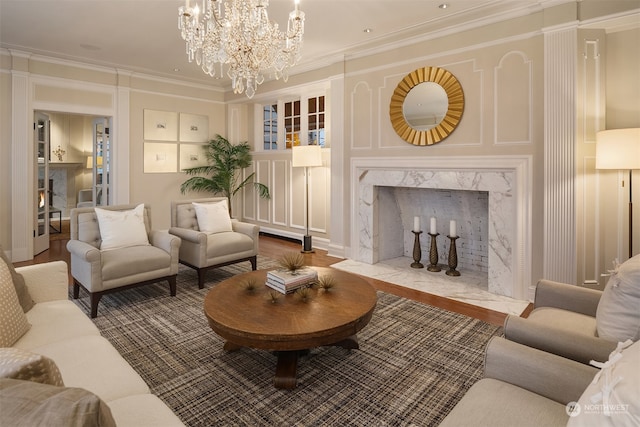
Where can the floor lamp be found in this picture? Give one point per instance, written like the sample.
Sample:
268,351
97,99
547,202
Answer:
306,156
620,149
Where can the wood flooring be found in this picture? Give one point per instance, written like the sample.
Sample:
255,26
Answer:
273,247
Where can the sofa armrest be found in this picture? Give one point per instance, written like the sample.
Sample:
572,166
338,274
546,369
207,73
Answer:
164,241
84,251
250,230
546,374
189,235
46,282
575,346
567,297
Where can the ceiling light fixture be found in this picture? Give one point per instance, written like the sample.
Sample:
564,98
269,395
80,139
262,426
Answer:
443,6
238,39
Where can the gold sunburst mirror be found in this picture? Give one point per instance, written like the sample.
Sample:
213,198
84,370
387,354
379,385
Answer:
426,106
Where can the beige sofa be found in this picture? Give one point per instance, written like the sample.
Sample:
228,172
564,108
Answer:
62,332
524,386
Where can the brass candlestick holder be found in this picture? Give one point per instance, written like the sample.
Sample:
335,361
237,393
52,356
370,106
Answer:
417,252
433,254
453,258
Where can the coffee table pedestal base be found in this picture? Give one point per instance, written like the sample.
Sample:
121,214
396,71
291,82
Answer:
287,365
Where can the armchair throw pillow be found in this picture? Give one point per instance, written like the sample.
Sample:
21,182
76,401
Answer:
213,217
13,321
25,403
611,400
122,229
617,315
18,282
20,364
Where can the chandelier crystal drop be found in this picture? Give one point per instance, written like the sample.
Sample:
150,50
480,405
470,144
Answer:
236,38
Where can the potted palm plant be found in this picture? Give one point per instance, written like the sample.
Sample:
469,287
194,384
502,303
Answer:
221,174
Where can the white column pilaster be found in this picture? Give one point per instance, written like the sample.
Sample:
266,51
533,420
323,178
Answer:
560,77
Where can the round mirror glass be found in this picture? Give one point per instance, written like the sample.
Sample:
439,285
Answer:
425,106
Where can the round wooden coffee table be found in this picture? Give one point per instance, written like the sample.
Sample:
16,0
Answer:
289,325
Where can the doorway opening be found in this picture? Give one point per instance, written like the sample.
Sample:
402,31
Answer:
74,177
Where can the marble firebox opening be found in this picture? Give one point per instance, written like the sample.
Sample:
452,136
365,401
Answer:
470,209
505,180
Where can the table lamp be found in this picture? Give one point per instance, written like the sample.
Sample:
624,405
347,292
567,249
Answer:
306,156
620,149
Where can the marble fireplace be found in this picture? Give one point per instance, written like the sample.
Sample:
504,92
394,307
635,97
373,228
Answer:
502,183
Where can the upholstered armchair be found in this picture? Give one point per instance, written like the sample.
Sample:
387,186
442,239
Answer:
114,248
210,238
85,198
580,323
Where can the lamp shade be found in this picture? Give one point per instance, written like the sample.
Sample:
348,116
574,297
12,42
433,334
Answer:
618,149
90,162
306,155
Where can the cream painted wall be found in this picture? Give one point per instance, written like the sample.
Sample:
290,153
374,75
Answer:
159,189
503,115
93,91
501,68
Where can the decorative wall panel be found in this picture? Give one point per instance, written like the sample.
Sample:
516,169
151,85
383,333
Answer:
361,116
279,193
513,107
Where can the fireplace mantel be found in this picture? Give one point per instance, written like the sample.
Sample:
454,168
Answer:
507,179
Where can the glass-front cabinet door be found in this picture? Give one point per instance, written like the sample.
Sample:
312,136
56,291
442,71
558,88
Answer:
42,195
101,161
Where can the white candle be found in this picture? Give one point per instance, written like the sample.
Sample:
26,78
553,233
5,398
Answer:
416,223
433,225
452,228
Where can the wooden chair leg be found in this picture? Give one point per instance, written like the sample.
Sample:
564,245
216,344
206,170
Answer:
76,289
201,278
172,285
254,263
95,299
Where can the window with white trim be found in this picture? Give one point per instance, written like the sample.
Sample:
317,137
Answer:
292,121
315,122
270,126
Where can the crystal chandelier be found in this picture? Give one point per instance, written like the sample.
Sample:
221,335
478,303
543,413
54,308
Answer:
237,38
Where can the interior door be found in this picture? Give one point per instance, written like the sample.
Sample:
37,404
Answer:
101,161
41,214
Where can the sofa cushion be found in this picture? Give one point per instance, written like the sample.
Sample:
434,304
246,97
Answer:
494,403
25,403
26,302
121,229
221,244
213,217
129,262
564,320
24,365
92,363
612,399
13,321
55,321
617,316
143,410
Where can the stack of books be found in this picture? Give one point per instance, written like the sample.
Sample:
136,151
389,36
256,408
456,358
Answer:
286,281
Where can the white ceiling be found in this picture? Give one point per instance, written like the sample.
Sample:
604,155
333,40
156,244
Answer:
142,35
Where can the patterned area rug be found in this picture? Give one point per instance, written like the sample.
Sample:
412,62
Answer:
414,364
